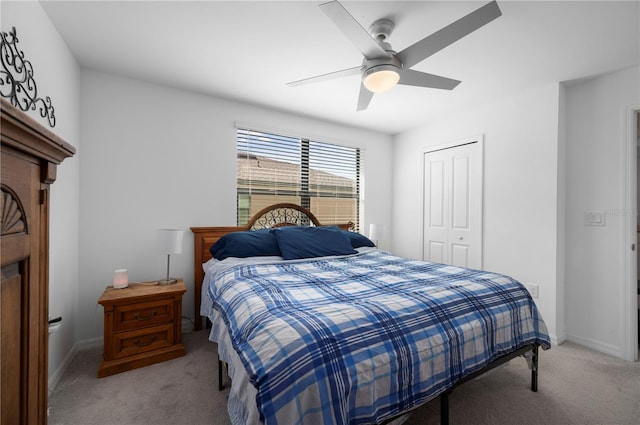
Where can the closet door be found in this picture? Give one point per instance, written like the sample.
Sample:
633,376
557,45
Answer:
452,205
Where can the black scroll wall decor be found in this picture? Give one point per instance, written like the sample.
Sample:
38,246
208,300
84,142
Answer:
16,79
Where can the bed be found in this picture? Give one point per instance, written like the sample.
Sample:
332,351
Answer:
333,330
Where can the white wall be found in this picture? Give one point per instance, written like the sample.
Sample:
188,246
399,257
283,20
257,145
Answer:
520,187
57,75
552,153
157,157
595,280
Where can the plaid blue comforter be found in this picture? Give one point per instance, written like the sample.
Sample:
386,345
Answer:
359,339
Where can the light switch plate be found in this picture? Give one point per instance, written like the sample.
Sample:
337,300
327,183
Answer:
594,219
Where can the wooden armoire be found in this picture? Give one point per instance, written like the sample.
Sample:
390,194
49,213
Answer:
30,154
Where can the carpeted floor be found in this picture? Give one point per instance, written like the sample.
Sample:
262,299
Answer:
576,386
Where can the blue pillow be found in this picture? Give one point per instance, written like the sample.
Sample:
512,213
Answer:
358,240
253,243
308,242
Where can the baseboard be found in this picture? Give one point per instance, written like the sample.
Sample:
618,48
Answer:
86,344
89,344
57,375
557,339
599,346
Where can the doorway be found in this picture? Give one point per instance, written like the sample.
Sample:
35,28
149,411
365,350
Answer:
631,179
636,319
452,204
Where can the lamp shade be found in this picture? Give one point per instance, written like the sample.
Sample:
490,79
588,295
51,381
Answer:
170,241
376,232
381,78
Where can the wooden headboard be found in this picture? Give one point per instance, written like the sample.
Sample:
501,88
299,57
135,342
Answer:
276,215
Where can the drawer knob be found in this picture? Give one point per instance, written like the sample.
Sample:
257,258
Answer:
149,317
138,343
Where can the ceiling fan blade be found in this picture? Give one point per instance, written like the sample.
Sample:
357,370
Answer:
448,35
364,98
354,31
330,76
409,77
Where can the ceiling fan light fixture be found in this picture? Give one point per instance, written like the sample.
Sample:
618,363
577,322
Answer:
381,78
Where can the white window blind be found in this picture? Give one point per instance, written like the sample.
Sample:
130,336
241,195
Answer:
322,177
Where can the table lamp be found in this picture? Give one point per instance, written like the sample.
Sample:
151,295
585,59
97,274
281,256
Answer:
169,242
376,232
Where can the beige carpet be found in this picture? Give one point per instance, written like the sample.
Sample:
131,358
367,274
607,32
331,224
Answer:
576,386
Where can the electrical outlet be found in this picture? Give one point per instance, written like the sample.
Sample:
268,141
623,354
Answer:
533,290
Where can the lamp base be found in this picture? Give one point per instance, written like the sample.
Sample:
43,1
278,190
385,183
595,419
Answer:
169,281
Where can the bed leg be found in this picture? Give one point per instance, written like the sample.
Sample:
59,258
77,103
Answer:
220,386
444,408
534,369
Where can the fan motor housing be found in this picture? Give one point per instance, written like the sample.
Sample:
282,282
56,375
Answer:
369,66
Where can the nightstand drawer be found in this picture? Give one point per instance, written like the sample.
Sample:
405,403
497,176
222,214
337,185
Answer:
149,339
142,315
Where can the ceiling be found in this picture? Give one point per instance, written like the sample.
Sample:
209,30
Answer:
249,50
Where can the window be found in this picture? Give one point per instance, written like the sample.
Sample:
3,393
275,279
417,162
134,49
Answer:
322,177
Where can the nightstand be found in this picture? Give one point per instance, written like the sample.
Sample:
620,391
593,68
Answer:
142,326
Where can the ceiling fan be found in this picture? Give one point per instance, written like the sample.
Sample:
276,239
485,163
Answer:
382,68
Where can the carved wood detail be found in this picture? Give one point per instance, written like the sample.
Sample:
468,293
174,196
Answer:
13,217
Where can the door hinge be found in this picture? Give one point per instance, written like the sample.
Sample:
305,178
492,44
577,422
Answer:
633,247
44,193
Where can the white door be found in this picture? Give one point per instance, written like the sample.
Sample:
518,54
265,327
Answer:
452,205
